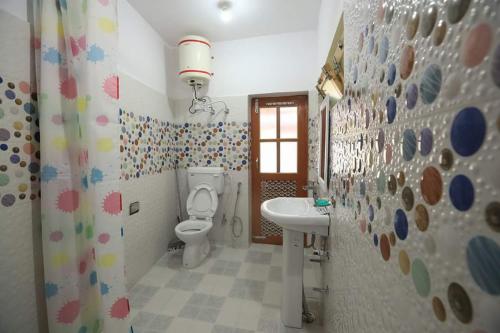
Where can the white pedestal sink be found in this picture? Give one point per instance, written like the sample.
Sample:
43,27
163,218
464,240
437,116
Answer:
296,216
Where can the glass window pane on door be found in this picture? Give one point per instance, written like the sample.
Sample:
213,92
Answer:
268,161
288,157
288,122
268,122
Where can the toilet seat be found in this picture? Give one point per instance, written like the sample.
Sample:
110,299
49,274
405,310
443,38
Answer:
202,202
192,226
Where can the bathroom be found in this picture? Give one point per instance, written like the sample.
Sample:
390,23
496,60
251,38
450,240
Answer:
249,166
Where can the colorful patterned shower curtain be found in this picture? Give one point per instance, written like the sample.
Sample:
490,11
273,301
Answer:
76,50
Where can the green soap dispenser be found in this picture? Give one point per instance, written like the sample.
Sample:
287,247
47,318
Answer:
322,203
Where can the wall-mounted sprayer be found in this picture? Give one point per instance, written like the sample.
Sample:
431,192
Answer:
195,70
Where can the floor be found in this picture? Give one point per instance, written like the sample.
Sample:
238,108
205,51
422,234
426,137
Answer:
233,291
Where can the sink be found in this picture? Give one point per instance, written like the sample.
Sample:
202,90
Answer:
296,216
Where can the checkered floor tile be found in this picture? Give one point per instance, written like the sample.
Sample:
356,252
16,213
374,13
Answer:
232,291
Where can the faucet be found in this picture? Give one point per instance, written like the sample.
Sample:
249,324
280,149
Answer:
312,185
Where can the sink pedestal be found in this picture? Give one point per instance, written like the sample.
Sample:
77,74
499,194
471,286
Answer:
293,264
296,216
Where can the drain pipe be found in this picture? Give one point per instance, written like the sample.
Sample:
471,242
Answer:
175,245
307,316
313,240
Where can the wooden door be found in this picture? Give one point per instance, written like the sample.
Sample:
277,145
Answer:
279,157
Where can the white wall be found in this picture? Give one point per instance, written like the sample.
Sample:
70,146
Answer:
22,302
142,62
148,232
328,19
141,49
18,8
266,64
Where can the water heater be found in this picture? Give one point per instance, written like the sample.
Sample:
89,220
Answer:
194,60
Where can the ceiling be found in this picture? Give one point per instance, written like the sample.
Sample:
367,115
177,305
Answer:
176,18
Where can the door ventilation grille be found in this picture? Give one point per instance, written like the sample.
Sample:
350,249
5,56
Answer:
270,189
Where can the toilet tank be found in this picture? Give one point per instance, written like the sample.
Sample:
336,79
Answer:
213,176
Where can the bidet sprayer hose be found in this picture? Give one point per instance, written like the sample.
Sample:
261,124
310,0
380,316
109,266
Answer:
236,222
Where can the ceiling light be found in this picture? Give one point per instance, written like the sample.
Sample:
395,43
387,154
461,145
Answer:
225,10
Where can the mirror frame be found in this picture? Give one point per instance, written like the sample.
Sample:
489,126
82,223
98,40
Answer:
331,80
324,145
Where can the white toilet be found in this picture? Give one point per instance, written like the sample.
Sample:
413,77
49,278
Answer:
205,184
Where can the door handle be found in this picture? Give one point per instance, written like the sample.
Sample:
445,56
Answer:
257,163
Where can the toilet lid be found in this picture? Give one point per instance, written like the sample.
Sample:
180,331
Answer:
202,201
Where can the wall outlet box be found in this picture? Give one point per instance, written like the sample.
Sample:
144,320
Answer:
134,208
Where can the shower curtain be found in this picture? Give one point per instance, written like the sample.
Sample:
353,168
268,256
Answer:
76,55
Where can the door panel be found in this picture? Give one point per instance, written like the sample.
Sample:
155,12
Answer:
279,157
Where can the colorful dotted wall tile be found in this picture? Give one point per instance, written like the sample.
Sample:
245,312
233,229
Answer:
483,258
391,106
407,198
151,146
461,192
492,215
431,185
421,217
224,144
412,25
459,302
468,131
411,96
425,141
446,159
425,102
430,84
384,50
477,44
404,262
392,184
147,145
409,144
429,17
439,33
391,75
385,248
407,61
439,309
19,143
401,178
495,66
421,277
457,9
401,224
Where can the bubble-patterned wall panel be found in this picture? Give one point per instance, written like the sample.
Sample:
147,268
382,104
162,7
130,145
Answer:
19,143
416,150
